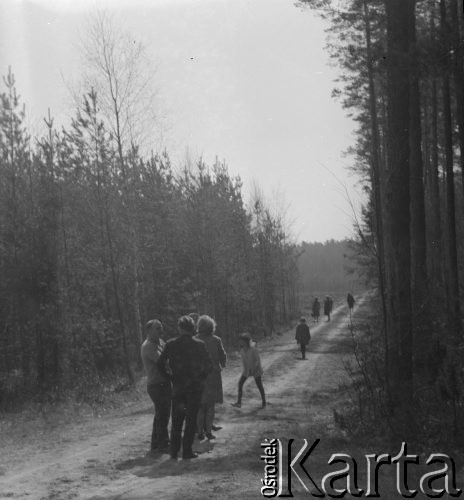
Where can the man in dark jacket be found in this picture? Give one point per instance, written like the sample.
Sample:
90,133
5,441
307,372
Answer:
316,310
303,336
328,303
189,365
350,300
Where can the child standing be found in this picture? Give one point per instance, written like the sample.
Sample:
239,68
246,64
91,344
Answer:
251,368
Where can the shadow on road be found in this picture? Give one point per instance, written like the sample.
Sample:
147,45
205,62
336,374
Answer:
168,467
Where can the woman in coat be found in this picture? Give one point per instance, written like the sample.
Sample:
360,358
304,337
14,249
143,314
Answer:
251,368
303,336
316,310
212,392
327,307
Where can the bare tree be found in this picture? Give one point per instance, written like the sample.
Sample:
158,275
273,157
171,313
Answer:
116,67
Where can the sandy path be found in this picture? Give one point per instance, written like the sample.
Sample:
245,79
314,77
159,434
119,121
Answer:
107,459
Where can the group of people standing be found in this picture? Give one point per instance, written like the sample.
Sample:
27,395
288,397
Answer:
184,381
316,308
184,376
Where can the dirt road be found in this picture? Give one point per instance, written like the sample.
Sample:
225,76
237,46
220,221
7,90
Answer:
105,459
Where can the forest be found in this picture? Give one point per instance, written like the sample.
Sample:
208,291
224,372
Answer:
401,66
96,239
100,231
97,235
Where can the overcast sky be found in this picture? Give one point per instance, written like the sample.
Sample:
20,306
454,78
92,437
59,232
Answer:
245,80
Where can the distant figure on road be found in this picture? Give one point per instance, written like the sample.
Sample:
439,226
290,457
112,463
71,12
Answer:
328,304
190,364
251,368
350,300
316,310
212,392
302,336
158,385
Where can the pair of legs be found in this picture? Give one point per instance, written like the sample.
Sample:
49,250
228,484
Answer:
259,384
303,351
185,406
160,394
205,420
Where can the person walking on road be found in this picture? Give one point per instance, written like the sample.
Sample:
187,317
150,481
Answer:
189,364
316,310
158,385
350,300
212,392
251,368
328,307
302,336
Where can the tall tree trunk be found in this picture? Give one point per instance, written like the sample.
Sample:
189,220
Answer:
458,74
434,182
421,328
117,298
130,206
398,212
376,181
434,179
452,274
433,191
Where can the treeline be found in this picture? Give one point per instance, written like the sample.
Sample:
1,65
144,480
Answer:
402,81
96,239
327,267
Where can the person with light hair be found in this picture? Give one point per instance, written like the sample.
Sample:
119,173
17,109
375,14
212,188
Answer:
212,392
158,385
